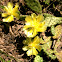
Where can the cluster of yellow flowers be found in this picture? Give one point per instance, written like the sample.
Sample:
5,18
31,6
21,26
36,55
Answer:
33,25
10,12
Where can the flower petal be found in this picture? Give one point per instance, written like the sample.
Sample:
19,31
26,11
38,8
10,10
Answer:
28,19
42,29
36,40
26,27
32,51
40,18
8,19
15,9
27,41
38,47
10,6
30,33
4,14
5,9
16,15
25,48
42,23
33,17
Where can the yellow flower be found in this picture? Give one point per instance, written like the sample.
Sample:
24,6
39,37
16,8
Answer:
10,12
34,24
32,45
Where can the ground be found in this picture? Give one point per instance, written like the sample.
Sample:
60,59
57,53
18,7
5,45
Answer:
11,34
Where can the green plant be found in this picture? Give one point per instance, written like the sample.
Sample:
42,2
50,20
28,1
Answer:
33,25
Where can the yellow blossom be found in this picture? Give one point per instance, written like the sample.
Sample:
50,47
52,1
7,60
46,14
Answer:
32,45
34,24
10,12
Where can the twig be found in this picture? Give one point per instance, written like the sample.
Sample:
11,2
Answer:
9,56
48,6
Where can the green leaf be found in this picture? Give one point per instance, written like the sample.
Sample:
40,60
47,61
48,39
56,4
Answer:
34,5
2,59
2,7
53,30
38,59
47,15
52,21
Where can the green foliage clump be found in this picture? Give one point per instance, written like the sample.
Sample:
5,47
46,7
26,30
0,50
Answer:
34,5
38,59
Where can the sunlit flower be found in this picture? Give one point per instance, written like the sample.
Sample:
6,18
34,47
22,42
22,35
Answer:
10,12
32,45
34,24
